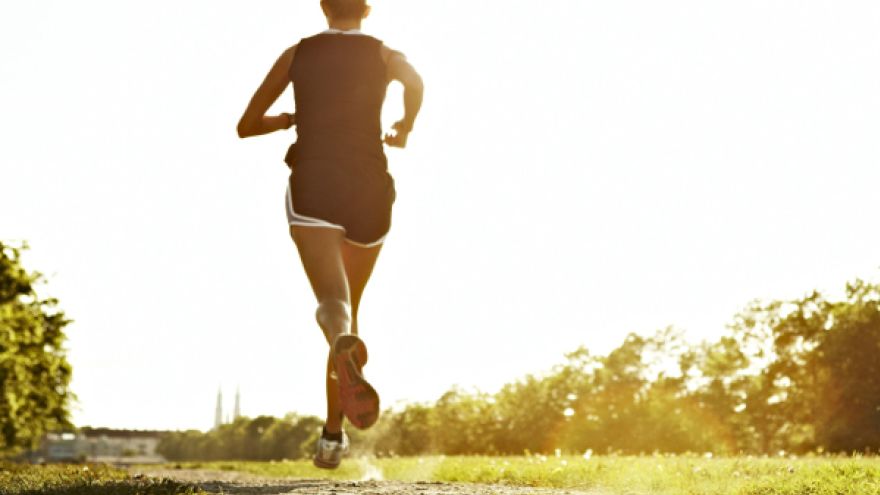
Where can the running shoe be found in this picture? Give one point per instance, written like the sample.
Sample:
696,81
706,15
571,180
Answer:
329,452
359,400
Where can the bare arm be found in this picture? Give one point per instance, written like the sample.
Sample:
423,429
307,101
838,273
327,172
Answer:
399,69
255,122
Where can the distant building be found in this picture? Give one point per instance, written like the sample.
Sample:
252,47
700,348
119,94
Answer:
218,411
101,445
237,411
219,418
61,447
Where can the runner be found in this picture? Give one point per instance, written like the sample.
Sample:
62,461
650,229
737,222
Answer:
339,194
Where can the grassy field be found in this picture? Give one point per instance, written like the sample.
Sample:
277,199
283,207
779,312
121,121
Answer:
658,475
615,475
22,479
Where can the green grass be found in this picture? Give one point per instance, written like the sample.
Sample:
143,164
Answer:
25,479
658,475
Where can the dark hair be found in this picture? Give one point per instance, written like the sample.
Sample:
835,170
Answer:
345,9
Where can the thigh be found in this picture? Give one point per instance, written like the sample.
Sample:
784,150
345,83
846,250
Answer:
320,250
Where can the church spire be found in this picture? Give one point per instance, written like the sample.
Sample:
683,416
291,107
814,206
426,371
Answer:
218,413
237,411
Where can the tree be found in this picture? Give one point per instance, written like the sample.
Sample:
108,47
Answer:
34,372
407,432
847,371
818,386
465,423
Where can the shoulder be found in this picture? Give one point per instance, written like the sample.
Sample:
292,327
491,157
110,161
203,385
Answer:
306,42
286,57
290,51
389,54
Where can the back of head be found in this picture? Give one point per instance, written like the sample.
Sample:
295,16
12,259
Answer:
344,9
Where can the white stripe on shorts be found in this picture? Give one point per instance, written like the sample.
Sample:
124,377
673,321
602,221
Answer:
294,218
372,244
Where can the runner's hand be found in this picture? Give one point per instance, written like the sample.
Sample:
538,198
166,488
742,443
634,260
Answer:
291,120
398,139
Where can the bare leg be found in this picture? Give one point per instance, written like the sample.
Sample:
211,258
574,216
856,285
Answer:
338,272
359,264
320,250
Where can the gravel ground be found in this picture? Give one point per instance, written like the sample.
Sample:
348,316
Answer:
246,484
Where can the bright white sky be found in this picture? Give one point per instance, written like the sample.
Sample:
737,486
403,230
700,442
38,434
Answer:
581,169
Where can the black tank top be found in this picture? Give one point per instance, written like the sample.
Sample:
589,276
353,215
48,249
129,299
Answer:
339,83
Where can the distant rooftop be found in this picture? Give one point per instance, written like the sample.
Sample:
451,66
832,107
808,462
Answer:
117,433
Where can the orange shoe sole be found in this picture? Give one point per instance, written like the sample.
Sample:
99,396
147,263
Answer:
359,400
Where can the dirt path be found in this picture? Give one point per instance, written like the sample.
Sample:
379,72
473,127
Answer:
246,484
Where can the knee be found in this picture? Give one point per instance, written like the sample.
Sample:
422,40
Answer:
332,313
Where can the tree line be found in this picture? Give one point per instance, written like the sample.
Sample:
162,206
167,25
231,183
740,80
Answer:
794,376
263,438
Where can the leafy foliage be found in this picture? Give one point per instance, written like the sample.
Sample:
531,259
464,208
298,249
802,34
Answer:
34,372
260,439
793,376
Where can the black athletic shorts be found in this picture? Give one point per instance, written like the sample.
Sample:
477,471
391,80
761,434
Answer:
350,195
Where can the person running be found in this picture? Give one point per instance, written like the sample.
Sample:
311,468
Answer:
339,193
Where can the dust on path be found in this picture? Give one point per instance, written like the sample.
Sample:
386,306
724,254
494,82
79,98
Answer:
237,483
